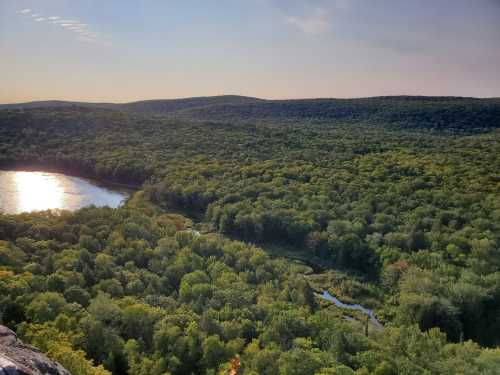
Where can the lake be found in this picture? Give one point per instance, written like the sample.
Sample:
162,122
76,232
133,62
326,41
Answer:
22,191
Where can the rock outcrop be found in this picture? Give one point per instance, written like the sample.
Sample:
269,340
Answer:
17,358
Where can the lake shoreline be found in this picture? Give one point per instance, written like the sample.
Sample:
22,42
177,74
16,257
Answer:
38,190
68,171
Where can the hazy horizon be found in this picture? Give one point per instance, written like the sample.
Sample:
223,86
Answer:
247,96
123,51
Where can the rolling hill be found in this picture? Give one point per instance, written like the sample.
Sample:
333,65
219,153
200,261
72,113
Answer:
161,106
442,113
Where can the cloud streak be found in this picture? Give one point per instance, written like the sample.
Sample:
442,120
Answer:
82,31
317,22
320,19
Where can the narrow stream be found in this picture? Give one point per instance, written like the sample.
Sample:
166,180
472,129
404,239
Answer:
328,297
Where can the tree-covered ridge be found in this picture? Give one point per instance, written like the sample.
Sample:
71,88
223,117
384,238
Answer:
411,217
161,106
435,113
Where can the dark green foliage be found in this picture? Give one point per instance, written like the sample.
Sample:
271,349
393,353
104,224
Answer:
436,113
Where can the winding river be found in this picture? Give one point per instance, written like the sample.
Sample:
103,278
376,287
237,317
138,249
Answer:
23,191
328,297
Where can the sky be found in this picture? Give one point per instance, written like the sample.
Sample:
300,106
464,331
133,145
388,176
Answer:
125,50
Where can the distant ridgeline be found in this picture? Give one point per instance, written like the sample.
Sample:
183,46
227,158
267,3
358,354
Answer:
438,113
391,204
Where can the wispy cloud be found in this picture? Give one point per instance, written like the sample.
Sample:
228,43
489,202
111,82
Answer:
82,31
61,21
318,21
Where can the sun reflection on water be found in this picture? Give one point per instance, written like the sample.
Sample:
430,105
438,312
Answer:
38,191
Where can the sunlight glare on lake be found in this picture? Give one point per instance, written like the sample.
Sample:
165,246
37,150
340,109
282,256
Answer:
38,191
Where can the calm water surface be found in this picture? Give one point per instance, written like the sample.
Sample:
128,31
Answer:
35,191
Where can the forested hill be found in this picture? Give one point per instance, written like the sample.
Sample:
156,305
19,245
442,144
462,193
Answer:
438,113
464,114
172,106
164,107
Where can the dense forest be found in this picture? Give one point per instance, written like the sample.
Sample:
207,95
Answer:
439,113
392,203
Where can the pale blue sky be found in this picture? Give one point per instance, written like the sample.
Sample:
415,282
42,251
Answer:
121,50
